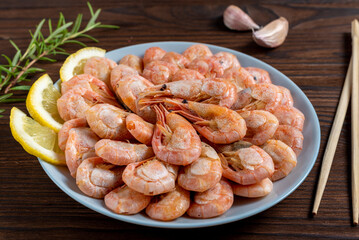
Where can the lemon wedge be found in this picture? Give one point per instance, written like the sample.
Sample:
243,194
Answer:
41,102
74,64
36,139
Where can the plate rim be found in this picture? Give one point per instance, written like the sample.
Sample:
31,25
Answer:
220,221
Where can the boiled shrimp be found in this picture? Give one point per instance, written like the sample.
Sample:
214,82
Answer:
186,74
213,202
152,54
174,139
122,153
119,73
203,173
64,132
100,67
287,99
260,189
169,206
247,165
124,200
261,125
232,147
239,77
159,72
283,157
217,124
259,75
291,116
141,130
210,67
214,91
197,50
129,89
79,146
228,60
290,136
96,178
175,58
75,102
108,121
133,61
151,176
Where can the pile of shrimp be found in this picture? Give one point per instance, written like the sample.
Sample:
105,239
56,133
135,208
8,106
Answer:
175,134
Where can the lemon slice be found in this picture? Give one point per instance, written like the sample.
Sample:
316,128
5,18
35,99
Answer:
36,139
41,102
74,64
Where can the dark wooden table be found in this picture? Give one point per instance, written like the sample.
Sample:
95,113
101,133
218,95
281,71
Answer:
315,56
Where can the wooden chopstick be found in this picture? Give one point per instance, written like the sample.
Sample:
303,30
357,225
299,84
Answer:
334,137
355,121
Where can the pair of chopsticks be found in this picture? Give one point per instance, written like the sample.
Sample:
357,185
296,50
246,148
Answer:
351,87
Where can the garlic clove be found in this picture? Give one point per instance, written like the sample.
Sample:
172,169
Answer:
234,18
273,34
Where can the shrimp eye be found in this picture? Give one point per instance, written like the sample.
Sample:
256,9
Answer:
255,78
184,101
164,86
170,110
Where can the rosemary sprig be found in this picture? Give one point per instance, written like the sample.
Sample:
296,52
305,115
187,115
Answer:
21,66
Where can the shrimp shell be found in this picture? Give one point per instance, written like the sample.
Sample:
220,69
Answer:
133,61
186,74
151,176
210,67
139,128
64,132
120,72
124,200
228,60
260,189
259,75
197,50
175,58
159,72
213,202
153,54
290,136
100,67
291,116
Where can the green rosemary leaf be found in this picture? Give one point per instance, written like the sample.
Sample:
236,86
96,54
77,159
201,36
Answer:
76,42
13,100
108,26
22,88
47,59
4,97
89,37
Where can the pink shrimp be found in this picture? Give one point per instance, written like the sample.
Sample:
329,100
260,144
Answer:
159,72
290,116
186,74
133,61
197,50
75,102
217,124
215,91
151,176
108,121
228,60
128,89
232,147
100,67
203,173
259,75
210,67
124,200
247,165
239,77
175,58
213,202
96,178
261,125
152,54
174,140
169,206
64,132
122,153
120,72
80,145
290,136
259,189
287,99
139,128
283,157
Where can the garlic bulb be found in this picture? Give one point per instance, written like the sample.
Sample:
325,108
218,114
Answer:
273,34
234,18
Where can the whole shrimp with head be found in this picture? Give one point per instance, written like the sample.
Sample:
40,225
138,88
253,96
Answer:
133,61
159,72
214,91
290,136
174,140
217,124
151,176
247,165
203,173
100,67
96,178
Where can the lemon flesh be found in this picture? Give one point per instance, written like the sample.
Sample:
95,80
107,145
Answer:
36,139
41,102
74,64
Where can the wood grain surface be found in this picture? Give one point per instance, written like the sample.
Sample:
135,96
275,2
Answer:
315,56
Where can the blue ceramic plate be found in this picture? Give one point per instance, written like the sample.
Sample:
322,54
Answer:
242,208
